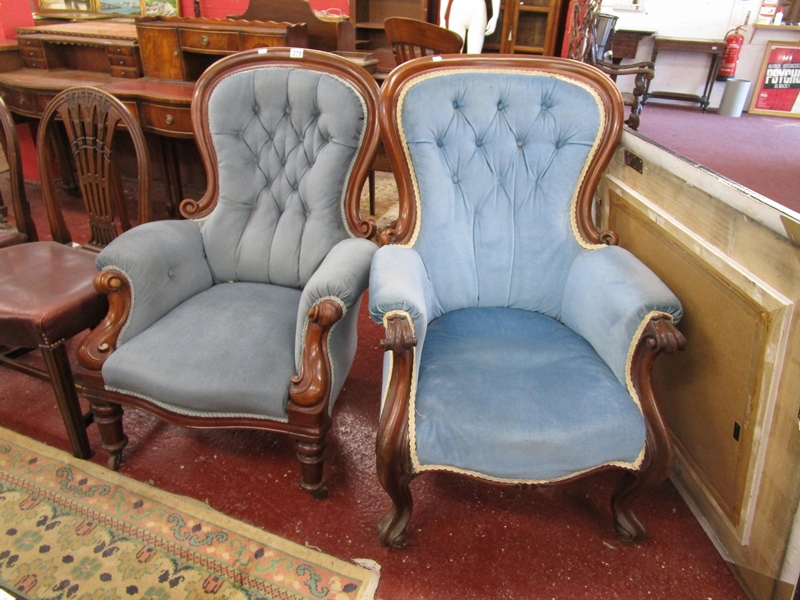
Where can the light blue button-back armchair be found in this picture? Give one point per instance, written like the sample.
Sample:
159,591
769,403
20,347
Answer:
245,314
519,338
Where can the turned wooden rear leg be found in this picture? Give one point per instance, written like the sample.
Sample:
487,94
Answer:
108,417
311,455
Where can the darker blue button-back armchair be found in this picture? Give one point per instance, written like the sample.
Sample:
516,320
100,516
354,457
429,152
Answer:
519,338
244,315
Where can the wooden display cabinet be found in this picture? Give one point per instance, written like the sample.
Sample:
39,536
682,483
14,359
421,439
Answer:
368,16
528,27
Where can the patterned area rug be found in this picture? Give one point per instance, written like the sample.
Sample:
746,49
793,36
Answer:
72,529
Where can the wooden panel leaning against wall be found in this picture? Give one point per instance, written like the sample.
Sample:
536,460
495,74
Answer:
733,258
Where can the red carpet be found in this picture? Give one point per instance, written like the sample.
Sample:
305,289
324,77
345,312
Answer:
468,540
758,151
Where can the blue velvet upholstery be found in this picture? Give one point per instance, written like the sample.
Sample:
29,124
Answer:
227,350
500,153
524,330
284,158
220,305
505,393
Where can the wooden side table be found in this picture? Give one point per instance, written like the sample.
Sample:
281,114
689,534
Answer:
715,48
625,43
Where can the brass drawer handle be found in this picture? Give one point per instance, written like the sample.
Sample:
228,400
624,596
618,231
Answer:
169,119
204,40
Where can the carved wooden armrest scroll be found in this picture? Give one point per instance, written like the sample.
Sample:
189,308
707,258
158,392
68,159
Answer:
313,383
400,341
98,345
659,335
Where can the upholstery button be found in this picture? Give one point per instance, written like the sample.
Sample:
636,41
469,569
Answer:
256,108
439,143
288,110
478,143
520,143
170,273
455,179
500,106
455,103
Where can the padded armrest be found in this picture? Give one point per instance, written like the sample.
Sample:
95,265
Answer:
398,281
608,294
344,275
165,264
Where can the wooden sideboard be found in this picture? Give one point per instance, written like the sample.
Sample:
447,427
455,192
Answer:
181,49
324,33
150,65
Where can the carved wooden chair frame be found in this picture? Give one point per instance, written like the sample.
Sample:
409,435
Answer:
660,334
91,118
411,38
19,201
309,393
583,32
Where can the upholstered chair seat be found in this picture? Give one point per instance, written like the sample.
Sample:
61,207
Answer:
519,338
245,314
553,383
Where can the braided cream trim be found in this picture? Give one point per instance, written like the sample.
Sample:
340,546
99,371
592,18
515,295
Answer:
592,151
635,465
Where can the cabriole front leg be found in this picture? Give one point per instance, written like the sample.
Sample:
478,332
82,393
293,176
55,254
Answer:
309,396
392,451
660,335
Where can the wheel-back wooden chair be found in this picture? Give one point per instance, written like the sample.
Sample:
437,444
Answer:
244,315
411,38
47,294
520,339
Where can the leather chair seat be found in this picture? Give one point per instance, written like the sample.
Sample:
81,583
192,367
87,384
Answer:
48,294
11,237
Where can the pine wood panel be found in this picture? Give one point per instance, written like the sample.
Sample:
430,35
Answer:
727,254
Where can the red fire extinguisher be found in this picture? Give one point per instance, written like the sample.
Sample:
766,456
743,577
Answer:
733,45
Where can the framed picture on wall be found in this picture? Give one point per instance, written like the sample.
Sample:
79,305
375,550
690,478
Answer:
65,6
130,8
777,90
152,8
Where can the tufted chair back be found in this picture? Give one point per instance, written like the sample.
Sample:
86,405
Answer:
281,160
498,156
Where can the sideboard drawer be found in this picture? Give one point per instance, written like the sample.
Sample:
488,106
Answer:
169,119
120,51
209,41
18,99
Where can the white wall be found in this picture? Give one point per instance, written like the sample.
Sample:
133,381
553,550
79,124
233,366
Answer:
695,19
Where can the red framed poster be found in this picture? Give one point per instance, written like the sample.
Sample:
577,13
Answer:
778,87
